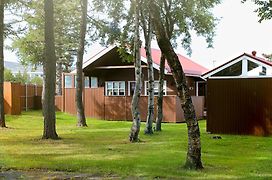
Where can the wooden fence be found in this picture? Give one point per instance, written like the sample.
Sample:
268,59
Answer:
18,97
118,107
240,106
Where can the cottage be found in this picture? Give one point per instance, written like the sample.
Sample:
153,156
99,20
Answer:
238,96
109,86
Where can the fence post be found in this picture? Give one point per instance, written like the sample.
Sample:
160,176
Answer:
36,91
63,92
26,94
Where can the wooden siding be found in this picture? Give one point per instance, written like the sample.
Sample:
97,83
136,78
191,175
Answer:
58,103
94,102
70,100
30,96
198,102
12,101
118,107
15,97
240,106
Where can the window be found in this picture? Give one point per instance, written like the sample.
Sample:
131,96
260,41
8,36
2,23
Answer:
75,80
156,88
68,81
87,82
94,82
131,87
115,88
233,70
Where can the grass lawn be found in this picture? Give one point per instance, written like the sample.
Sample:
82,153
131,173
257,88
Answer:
103,148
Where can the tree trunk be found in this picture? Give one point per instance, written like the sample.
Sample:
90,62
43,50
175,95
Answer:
59,79
43,87
50,74
193,160
2,113
160,96
150,113
135,129
79,87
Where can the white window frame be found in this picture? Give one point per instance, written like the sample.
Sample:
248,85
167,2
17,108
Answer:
197,86
164,87
129,82
65,82
86,79
106,88
90,81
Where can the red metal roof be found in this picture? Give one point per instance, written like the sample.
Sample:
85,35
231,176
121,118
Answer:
189,66
263,60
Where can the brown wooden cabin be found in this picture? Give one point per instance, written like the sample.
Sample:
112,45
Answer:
238,96
109,85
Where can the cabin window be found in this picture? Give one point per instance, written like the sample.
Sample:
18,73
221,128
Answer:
233,70
87,82
94,82
75,81
115,88
156,88
131,87
68,81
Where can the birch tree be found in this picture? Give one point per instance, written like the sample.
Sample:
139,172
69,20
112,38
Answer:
2,113
160,95
147,31
183,15
49,73
117,22
135,129
79,78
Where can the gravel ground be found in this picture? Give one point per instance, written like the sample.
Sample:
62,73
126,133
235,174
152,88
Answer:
40,174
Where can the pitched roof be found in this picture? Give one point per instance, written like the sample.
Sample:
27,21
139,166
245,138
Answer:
263,60
259,59
188,65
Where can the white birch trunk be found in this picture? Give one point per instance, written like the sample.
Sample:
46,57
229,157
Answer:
135,129
160,96
150,113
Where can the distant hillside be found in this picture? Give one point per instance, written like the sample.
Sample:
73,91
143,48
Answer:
15,67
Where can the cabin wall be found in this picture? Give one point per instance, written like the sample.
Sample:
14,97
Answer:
240,106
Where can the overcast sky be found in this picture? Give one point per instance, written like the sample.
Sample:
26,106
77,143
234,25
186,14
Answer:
237,32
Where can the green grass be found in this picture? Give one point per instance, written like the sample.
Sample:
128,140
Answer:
103,148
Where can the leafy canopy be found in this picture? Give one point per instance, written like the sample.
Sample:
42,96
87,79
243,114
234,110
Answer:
180,18
29,44
264,9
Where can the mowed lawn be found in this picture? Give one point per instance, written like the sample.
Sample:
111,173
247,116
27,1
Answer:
103,148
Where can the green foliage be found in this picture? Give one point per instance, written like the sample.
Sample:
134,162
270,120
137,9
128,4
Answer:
30,44
22,77
103,149
180,18
8,76
113,21
37,80
265,9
